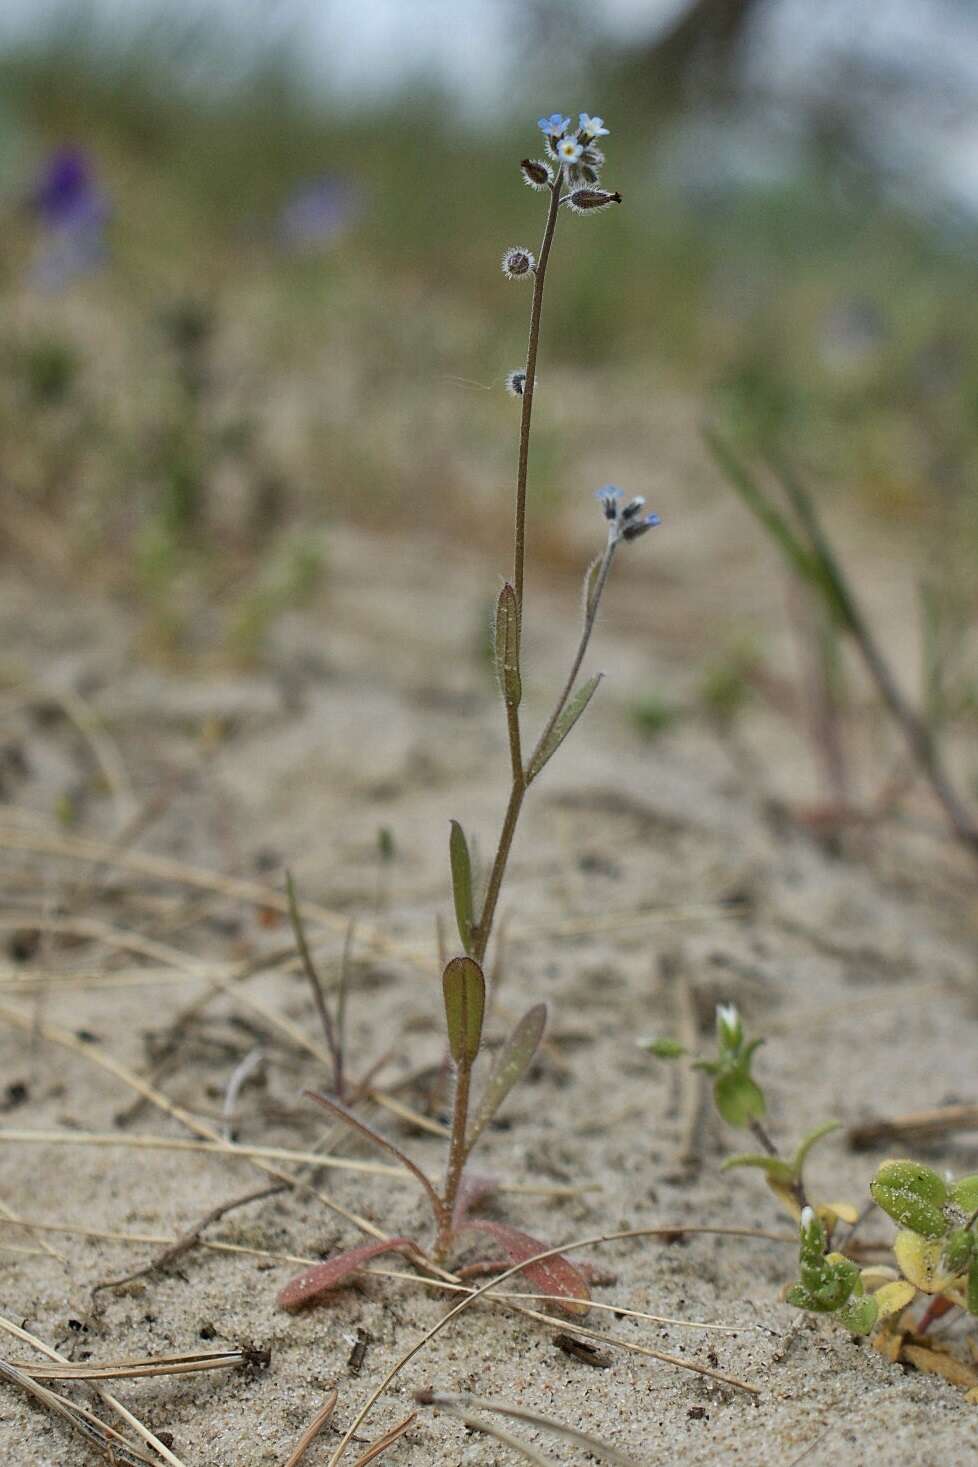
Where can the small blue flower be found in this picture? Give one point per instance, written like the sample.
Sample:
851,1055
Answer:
554,126
608,498
593,127
634,528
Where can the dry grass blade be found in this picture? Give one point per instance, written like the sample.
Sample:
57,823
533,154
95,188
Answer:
385,1441
136,1369
313,1429
574,1245
95,1055
501,1435
461,1401
12,1217
148,1437
109,1442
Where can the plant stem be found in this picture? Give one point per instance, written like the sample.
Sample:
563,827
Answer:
540,275
483,930
456,1159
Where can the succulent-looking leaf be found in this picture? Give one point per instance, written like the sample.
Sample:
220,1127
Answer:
913,1195
310,1286
571,713
833,1212
893,1297
507,647
920,1261
512,1063
859,1315
554,1275
964,1194
738,1098
458,852
958,1248
465,1001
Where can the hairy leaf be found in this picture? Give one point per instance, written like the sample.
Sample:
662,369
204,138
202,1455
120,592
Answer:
512,1063
458,851
507,647
571,713
465,1001
556,1275
309,1287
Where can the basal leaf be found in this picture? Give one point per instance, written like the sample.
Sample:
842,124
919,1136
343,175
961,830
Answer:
556,1275
309,1287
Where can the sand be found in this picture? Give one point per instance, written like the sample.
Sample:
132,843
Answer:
640,866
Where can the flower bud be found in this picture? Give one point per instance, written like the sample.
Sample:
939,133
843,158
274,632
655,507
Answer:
913,1195
583,200
518,263
536,174
516,382
730,1028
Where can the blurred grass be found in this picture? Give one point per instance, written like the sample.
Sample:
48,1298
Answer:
345,382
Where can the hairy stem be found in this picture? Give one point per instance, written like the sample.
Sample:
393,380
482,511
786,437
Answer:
456,1159
519,546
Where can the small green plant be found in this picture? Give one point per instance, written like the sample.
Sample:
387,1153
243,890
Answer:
569,179
936,1249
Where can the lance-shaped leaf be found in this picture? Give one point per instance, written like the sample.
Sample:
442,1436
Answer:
461,863
507,646
512,1063
571,713
465,1002
309,1287
554,1276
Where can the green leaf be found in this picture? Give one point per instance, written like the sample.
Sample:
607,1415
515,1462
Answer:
666,1049
913,1195
507,646
464,988
807,1142
776,1169
738,1098
973,1286
964,1194
458,852
859,1315
512,1063
571,713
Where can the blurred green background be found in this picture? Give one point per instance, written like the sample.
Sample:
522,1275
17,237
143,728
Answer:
292,313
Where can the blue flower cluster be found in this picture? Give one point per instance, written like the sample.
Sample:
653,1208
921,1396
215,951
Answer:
574,148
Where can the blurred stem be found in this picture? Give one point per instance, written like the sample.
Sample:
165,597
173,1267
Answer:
519,549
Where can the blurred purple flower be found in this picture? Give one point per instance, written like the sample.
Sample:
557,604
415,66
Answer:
72,211
317,213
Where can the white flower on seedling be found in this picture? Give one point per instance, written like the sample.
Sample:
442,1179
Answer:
730,1030
807,1218
593,127
569,150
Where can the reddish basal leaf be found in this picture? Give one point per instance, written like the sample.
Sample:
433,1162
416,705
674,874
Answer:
549,1276
310,1286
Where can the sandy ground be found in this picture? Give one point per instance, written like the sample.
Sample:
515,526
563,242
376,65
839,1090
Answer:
637,862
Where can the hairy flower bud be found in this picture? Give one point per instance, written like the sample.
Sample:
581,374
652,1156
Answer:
536,174
585,200
518,263
516,382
